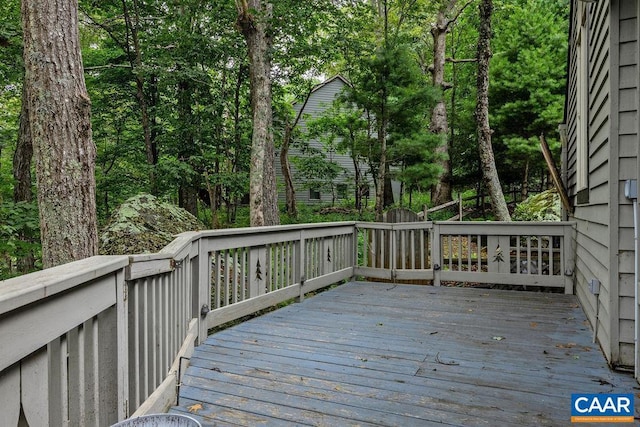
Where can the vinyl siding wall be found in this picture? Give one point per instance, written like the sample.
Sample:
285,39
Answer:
319,101
627,143
604,242
593,218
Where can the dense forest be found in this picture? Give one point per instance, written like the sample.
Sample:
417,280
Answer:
191,100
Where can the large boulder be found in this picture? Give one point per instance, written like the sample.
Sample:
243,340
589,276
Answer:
145,224
545,206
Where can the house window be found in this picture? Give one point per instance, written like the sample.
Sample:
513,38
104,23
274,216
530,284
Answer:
314,194
582,109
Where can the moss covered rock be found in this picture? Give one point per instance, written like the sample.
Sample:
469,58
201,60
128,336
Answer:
545,206
145,224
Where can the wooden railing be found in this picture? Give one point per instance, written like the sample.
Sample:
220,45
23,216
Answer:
513,253
95,341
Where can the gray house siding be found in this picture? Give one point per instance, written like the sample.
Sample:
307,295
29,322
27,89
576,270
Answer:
321,99
627,82
604,239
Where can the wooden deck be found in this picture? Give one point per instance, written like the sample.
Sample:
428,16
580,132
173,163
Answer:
400,355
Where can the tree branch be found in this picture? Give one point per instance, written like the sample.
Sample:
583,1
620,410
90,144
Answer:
457,61
455,18
102,67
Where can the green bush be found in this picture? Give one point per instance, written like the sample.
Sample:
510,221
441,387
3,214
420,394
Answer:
541,207
19,237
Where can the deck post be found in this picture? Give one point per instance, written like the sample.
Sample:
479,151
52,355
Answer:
354,253
393,252
194,265
122,339
436,255
204,289
300,273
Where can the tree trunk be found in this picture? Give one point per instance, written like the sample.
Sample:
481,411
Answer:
439,125
59,117
525,181
382,169
263,197
135,59
358,183
23,155
489,171
188,188
290,191
22,177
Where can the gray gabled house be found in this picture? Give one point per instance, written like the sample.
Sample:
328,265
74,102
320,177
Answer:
320,99
600,160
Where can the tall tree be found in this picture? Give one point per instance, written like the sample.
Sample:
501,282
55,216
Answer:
447,15
59,118
527,84
487,159
254,20
22,155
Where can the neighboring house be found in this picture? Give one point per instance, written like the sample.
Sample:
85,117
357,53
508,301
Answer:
600,153
320,99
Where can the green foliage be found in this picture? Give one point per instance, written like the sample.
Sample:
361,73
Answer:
545,206
528,85
19,235
316,171
193,68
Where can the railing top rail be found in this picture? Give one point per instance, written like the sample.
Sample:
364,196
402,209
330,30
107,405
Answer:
17,292
395,225
506,223
271,229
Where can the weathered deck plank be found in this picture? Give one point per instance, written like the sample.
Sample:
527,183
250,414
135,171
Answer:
380,354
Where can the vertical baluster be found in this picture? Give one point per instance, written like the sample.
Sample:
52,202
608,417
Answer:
518,249
153,332
164,323
290,256
179,301
309,259
135,361
400,253
390,250
216,274
375,256
422,251
173,306
228,282
539,263
279,264
64,380
92,366
479,245
234,277
550,256
460,243
275,265
73,373
528,264
469,244
146,387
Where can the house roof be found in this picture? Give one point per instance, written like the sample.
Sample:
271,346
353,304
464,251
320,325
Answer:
332,79
326,82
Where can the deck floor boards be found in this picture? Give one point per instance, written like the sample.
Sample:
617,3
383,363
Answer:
401,355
